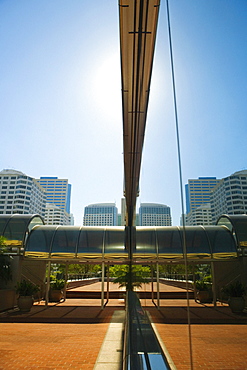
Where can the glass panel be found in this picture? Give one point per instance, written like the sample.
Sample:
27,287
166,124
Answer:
39,241
91,242
169,243
16,230
3,222
37,220
241,231
222,242
197,244
65,242
145,243
115,243
225,221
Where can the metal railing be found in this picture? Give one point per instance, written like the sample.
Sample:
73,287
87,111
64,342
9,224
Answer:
141,347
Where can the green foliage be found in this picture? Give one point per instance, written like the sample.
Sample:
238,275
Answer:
5,262
236,289
26,288
57,284
80,269
203,285
129,277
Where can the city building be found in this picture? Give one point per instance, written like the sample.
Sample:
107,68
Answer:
100,214
21,194
198,194
58,193
201,215
154,214
230,196
54,215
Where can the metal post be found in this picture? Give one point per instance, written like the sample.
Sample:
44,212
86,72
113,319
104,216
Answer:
102,285
66,279
108,284
152,281
158,284
48,284
213,284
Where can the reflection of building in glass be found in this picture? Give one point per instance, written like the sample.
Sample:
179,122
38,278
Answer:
154,214
58,192
197,193
100,214
230,196
21,194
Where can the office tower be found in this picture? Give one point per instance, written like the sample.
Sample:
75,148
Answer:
154,214
100,214
56,216
58,193
197,193
230,196
21,194
201,215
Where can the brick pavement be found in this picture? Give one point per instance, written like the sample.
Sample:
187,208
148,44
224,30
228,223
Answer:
50,346
219,338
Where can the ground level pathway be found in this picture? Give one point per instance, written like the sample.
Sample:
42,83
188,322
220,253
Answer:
69,335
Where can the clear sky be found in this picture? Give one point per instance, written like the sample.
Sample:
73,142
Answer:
60,96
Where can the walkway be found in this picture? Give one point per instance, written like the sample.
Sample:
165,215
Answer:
70,334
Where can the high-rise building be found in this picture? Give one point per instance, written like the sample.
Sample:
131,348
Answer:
154,214
230,196
21,194
56,216
100,214
201,215
58,193
198,192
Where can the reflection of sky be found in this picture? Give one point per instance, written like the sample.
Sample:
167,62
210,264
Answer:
60,77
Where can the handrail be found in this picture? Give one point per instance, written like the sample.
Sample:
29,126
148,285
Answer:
141,347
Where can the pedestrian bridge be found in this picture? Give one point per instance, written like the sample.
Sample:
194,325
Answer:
28,235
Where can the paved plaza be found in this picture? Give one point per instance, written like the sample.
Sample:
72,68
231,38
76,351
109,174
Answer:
71,334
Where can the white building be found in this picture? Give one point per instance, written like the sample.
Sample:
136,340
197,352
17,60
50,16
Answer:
230,196
54,215
201,215
154,214
21,194
58,193
100,214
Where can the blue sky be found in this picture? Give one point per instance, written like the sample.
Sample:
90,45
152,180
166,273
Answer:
60,96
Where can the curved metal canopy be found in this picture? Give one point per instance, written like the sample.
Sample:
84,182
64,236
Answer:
107,244
15,227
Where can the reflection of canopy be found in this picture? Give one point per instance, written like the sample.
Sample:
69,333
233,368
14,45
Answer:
108,243
15,227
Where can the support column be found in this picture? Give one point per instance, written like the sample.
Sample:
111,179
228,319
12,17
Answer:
66,279
102,285
108,283
213,284
152,281
48,284
158,285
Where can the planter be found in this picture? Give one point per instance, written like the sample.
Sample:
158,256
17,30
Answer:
204,296
236,304
55,295
25,303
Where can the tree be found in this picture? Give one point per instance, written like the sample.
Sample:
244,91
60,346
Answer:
130,277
